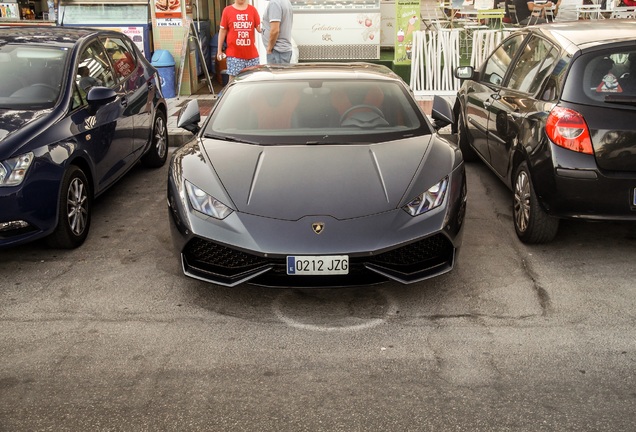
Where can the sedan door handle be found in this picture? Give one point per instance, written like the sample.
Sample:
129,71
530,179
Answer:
151,85
487,103
124,102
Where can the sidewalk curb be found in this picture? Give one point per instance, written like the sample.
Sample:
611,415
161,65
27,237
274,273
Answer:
177,136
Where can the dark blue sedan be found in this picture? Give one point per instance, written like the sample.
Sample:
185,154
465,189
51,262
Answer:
78,109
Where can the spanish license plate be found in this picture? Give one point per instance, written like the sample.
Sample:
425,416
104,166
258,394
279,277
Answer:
318,265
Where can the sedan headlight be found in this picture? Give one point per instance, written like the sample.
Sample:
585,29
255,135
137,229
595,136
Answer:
432,198
206,204
13,171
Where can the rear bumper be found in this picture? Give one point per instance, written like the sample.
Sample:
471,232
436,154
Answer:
572,186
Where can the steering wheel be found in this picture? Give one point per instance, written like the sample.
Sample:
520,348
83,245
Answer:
44,85
373,108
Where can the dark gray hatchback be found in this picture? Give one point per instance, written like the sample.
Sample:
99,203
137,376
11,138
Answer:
551,112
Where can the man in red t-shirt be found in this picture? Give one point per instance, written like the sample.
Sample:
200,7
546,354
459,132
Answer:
238,23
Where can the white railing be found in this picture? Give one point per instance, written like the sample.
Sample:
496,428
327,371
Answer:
436,55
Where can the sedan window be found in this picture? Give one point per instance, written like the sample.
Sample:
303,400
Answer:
32,76
93,70
123,60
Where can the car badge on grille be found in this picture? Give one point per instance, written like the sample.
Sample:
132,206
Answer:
318,227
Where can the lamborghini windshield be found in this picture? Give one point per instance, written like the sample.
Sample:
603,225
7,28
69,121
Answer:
316,112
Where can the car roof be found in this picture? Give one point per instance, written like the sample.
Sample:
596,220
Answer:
57,36
322,70
589,33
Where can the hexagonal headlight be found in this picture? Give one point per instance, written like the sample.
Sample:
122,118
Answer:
432,198
206,204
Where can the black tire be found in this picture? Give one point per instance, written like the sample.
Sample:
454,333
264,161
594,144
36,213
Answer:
532,224
462,140
157,154
74,211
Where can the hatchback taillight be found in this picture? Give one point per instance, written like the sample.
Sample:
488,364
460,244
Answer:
567,128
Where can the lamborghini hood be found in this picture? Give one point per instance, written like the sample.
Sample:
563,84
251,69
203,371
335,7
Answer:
342,181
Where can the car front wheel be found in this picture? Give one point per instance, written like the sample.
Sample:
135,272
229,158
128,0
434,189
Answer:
532,224
74,211
158,151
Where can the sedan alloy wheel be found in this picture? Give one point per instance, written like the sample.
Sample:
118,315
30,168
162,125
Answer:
74,211
158,151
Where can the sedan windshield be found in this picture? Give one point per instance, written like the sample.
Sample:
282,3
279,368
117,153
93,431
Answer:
31,76
316,112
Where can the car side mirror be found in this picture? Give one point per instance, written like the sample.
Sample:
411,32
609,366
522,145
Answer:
465,72
442,113
189,117
99,96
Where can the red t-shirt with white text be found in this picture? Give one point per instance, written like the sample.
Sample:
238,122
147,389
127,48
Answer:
240,25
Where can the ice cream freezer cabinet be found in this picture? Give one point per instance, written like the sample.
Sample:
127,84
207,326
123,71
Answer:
337,30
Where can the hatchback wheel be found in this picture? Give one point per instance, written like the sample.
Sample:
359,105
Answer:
158,151
532,224
74,211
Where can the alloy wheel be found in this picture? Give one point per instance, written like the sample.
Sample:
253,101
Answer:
77,206
161,143
522,201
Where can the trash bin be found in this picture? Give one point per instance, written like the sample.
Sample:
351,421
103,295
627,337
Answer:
164,62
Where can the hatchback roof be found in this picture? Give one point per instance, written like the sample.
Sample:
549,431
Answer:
587,33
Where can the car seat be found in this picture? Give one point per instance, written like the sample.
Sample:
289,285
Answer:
274,110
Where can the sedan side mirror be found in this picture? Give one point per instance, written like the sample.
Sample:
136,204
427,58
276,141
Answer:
189,117
99,96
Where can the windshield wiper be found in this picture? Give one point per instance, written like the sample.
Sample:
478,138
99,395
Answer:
621,99
230,138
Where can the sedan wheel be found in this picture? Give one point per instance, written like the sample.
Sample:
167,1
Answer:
532,224
158,151
74,211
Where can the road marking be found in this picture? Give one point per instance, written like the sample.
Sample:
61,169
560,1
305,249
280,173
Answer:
278,308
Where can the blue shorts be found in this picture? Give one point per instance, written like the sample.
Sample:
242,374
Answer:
235,64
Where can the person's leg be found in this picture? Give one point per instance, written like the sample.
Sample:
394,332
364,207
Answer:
277,57
234,66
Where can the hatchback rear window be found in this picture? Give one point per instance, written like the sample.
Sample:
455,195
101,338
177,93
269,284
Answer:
604,77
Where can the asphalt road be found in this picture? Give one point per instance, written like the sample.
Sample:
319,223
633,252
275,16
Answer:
112,337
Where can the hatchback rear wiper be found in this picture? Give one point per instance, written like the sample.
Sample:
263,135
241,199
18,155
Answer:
621,99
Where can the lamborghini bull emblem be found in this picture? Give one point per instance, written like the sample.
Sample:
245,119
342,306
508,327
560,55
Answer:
318,227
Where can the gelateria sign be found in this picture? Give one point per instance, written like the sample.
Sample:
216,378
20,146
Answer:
407,21
168,13
337,28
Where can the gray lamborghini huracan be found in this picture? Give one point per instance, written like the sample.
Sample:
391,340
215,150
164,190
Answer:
316,175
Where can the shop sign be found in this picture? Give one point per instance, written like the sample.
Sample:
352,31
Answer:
407,21
168,13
